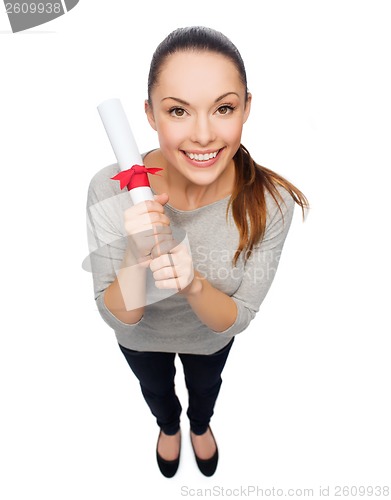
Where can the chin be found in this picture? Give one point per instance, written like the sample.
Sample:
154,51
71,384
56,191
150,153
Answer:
205,181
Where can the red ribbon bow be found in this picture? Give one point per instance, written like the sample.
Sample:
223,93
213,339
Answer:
135,176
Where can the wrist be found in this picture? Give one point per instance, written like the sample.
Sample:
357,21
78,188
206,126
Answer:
134,260
195,287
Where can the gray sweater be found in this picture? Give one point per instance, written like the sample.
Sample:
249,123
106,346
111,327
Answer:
169,324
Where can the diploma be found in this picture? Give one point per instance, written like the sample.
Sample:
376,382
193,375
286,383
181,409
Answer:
133,174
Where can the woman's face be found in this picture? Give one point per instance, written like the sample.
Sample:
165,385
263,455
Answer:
198,110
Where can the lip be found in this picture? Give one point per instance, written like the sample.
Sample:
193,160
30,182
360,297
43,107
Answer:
205,163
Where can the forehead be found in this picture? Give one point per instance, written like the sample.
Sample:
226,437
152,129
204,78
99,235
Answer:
195,74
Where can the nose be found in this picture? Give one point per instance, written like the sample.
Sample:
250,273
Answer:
203,132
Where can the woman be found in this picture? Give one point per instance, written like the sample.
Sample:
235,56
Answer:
234,214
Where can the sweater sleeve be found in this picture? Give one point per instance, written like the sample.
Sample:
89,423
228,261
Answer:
261,267
106,241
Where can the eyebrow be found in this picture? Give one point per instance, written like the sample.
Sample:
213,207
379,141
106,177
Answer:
181,101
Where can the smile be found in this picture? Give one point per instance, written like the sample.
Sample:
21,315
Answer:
201,157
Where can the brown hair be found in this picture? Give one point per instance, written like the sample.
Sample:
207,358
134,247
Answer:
252,180
249,198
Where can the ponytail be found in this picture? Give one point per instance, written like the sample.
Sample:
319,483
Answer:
249,199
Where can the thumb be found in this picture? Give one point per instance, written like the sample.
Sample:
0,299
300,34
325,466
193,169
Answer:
161,198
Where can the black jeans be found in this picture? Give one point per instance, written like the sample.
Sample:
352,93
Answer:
156,372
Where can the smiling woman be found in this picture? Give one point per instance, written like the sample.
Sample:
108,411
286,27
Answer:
236,215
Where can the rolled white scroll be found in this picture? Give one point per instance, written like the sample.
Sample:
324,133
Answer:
124,145
133,173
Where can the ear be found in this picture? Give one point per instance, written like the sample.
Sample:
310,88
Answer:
247,107
149,113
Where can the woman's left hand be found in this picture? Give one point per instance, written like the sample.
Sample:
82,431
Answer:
173,269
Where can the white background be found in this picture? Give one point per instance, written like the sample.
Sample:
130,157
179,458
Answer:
305,398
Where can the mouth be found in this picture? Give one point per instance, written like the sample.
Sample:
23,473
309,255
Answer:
200,159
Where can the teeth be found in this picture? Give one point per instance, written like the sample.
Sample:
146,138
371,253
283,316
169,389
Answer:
201,157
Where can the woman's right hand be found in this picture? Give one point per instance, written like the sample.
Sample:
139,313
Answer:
147,227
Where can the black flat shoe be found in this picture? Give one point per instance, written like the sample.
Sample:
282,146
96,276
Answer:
167,467
207,466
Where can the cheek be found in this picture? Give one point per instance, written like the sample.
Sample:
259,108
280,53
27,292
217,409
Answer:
170,135
231,131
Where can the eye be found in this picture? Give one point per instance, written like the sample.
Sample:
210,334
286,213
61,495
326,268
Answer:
225,109
177,112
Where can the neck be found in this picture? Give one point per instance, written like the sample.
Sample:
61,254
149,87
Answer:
194,195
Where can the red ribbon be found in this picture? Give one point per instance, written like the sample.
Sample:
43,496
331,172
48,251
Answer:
135,176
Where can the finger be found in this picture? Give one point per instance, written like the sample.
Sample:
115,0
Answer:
157,230
164,246
161,198
142,243
153,218
164,270
145,222
148,243
165,273
160,262
161,241
145,206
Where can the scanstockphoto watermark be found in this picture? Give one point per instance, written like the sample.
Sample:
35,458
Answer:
246,491
217,264
30,13
322,491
